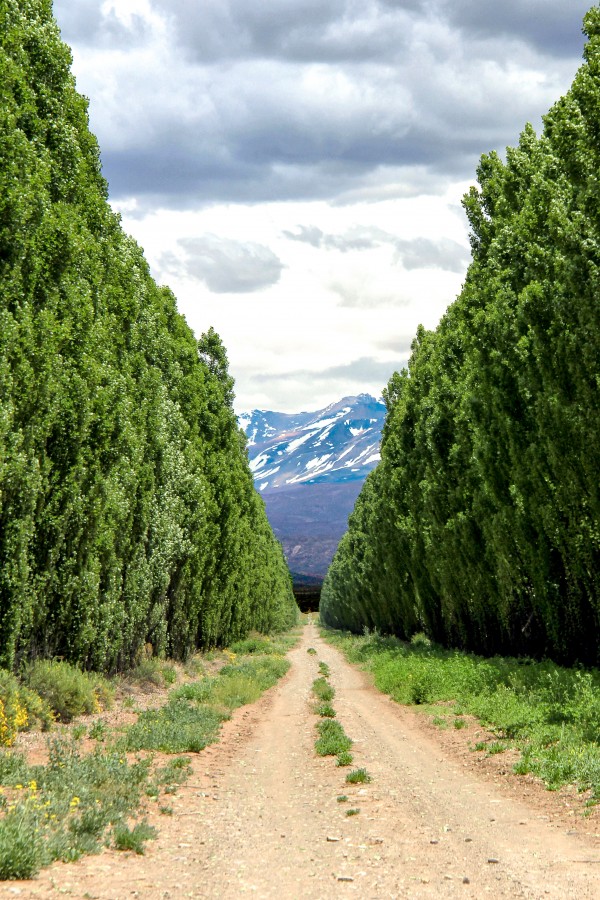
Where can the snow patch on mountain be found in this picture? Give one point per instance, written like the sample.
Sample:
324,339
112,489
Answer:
336,444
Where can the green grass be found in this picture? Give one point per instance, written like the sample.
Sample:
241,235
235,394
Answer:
323,690
177,727
324,669
358,776
551,714
134,839
332,738
344,758
192,717
325,710
261,644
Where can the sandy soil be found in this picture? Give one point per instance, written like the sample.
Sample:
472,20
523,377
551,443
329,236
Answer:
260,814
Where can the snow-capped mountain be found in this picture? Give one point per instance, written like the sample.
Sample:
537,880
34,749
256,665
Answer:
336,444
309,468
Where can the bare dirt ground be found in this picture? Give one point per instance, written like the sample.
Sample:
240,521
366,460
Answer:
260,814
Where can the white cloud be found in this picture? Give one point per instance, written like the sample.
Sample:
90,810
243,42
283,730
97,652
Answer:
294,171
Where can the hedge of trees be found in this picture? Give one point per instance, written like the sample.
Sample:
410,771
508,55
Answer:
127,509
481,525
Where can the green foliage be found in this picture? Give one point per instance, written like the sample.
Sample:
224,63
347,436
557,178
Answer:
193,715
344,758
128,514
178,727
323,690
358,776
21,849
479,527
68,691
325,710
66,808
126,838
255,643
332,738
72,805
22,709
151,671
550,713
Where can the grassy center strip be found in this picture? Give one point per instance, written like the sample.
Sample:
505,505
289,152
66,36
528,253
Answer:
333,740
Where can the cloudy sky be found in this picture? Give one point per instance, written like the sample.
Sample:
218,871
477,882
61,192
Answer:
293,169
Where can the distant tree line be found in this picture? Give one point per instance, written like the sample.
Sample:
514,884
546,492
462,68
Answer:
481,524
127,509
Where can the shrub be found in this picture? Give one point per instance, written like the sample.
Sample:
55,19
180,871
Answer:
332,738
20,709
255,644
21,849
68,691
323,690
358,776
133,839
148,672
344,758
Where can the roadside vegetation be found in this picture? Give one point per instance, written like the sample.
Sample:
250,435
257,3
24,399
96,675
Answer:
128,514
99,783
551,714
479,525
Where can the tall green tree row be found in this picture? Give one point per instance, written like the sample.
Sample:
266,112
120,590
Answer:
127,509
481,525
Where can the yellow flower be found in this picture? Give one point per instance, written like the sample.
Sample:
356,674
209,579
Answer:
75,802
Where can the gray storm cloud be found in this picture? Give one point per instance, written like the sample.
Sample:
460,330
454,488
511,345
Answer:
227,266
250,102
413,253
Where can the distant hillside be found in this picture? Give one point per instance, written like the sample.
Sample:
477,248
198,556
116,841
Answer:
309,468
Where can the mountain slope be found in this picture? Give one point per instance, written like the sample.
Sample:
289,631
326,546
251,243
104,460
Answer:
309,468
333,445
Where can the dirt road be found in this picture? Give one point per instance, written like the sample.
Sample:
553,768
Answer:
260,815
